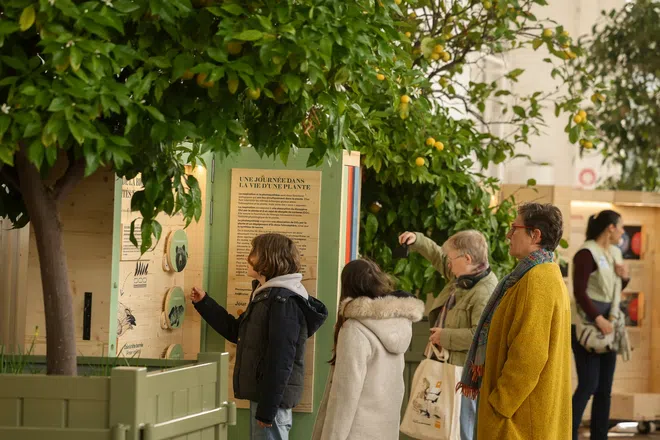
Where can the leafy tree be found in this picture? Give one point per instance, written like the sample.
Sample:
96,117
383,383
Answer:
430,130
120,84
623,60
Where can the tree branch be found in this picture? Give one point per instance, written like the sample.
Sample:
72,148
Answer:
72,176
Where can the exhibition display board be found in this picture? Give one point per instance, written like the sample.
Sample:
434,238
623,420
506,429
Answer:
318,208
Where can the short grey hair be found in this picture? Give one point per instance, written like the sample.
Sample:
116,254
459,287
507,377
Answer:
546,218
470,242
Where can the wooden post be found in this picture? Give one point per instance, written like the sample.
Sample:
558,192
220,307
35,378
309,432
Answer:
127,399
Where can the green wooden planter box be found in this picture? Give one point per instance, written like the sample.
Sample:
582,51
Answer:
185,401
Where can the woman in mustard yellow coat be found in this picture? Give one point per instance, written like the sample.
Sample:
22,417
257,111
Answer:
519,365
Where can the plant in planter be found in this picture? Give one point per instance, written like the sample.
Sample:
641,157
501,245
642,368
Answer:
121,84
624,61
438,115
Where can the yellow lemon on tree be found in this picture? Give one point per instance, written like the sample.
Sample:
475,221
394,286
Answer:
404,111
380,77
565,34
254,94
232,85
420,161
187,75
234,47
408,34
413,15
439,146
583,114
594,98
202,82
487,4
547,33
438,48
430,142
588,145
578,119
398,2
446,56
443,82
435,56
405,99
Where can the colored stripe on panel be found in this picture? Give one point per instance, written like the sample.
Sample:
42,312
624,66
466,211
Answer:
356,210
349,213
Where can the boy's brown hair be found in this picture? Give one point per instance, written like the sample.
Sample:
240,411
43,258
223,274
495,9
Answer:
275,255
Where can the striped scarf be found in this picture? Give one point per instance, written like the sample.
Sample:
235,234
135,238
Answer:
476,359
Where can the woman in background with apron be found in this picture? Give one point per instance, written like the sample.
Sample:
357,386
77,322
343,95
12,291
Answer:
599,276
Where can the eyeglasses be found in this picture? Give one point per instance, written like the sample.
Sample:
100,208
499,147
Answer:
514,227
455,258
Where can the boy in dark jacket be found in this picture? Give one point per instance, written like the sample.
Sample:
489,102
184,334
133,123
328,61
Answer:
270,335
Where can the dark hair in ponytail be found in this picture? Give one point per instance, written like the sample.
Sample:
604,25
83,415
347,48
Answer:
600,222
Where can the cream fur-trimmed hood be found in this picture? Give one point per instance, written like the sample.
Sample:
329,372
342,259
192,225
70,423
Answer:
389,306
388,317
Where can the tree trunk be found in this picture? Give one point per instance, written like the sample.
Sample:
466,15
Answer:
43,210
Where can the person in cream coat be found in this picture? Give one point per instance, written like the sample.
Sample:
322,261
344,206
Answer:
373,331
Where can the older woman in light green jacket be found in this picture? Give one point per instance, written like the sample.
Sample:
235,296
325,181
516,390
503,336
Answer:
463,262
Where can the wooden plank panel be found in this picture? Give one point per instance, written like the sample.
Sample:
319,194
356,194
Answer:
194,399
165,404
10,412
88,414
42,413
180,404
208,397
54,434
53,387
180,378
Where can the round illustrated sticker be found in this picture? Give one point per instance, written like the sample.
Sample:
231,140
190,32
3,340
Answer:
176,251
174,351
175,307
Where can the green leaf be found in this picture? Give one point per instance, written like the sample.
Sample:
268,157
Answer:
531,182
146,229
391,217
152,189
518,110
250,35
76,57
574,134
371,227
563,243
35,153
27,18
234,9
400,266
76,131
131,236
155,113
537,43
293,82
514,74
157,229
58,104
5,121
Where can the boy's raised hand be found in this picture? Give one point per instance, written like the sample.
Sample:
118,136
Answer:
197,295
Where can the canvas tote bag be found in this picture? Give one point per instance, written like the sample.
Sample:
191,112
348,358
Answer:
434,406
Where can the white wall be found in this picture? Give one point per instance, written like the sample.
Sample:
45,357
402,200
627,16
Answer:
577,16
